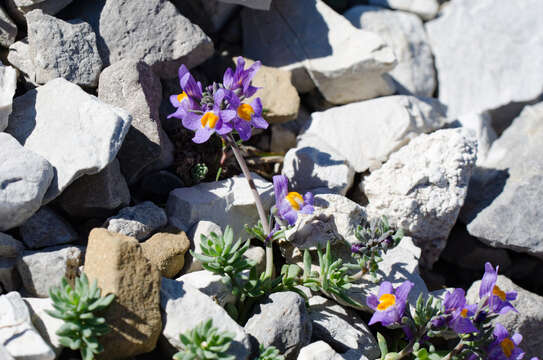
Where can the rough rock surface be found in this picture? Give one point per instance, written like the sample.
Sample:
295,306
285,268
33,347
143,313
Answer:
496,50
46,228
345,65
9,279
8,84
46,325
92,131
195,233
422,187
319,351
9,247
281,320
8,29
211,285
138,221
19,8
426,9
367,132
481,128
282,138
255,4
25,177
166,250
117,263
19,57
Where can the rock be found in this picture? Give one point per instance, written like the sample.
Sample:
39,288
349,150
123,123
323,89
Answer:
211,285
158,185
117,263
63,49
505,198
319,351
281,320
25,177
226,202
137,221
8,85
8,29
282,139
367,132
46,325
9,279
17,335
9,247
151,31
321,48
341,327
210,15
19,8
92,131
426,9
481,128
258,255
468,44
46,228
4,354
166,250
404,32
254,4
308,168
202,227
133,86
19,57
43,269
96,195
184,307
528,321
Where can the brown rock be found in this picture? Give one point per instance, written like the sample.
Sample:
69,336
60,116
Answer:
117,263
166,250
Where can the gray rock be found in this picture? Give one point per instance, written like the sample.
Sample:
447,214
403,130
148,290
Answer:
258,256
9,279
4,354
426,9
63,49
46,228
321,48
96,195
19,8
152,31
255,4
43,269
318,351
92,131
202,227
496,50
282,139
367,132
9,247
183,307
8,29
17,335
24,178
281,320
133,86
211,285
481,128
157,186
19,57
8,85
46,325
138,221
404,32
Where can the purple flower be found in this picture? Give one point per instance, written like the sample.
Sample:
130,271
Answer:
289,204
390,304
191,90
240,79
498,300
247,116
459,312
505,347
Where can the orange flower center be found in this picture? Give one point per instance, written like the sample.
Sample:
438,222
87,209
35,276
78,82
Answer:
245,111
209,119
386,301
498,292
182,96
507,346
464,313
295,199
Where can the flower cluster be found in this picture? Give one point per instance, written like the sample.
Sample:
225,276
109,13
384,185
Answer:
219,108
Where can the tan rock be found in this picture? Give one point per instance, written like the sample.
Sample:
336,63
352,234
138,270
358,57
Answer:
117,263
166,250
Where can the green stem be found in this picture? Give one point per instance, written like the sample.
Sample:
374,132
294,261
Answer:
454,351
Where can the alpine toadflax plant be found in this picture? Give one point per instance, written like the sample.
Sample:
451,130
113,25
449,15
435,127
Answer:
289,204
389,304
497,299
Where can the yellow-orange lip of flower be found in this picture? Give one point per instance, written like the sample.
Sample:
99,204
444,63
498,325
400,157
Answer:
209,119
507,346
245,112
182,96
386,301
498,292
464,313
295,199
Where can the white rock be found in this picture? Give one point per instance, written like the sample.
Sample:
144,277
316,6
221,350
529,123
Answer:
46,325
19,8
426,9
19,57
321,48
404,32
422,187
4,354
367,132
318,351
195,233
485,62
138,221
9,247
258,256
8,29
254,4
211,285
17,334
92,131
480,127
8,84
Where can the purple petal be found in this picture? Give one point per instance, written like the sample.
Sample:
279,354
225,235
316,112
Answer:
243,128
307,209
309,198
291,216
224,129
454,300
259,122
174,101
179,113
462,325
227,115
233,100
403,291
256,104
489,280
517,354
500,332
250,91
192,121
183,70
511,295
280,187
385,288
228,78
372,301
517,339
202,135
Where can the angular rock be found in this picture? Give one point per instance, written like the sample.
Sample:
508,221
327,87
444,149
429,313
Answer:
137,221
43,269
319,351
157,186
254,4
17,335
281,320
211,285
166,250
46,325
210,15
97,195
9,247
19,57
184,307
9,279
404,32
422,187
4,354
195,233
24,178
19,8
481,128
426,9
367,132
117,263
92,132
8,85
8,29
282,139
468,44
63,49
46,228
258,256
321,48
226,202
133,86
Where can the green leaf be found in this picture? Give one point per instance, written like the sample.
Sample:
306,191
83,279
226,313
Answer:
382,345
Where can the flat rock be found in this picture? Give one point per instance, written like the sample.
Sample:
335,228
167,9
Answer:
138,221
43,269
211,285
496,50
8,85
19,8
92,130
46,325
404,32
422,187
166,250
46,228
24,177
17,335
9,279
254,4
184,307
117,263
63,49
8,29
195,233
319,350
133,86
426,9
367,132
9,247
321,48
226,202
281,320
